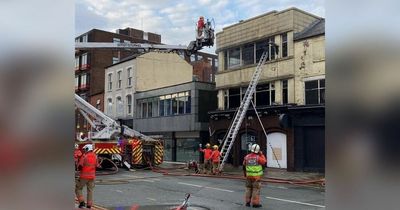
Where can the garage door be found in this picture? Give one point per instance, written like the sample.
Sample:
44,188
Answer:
276,142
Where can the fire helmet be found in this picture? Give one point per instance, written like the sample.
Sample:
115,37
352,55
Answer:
255,148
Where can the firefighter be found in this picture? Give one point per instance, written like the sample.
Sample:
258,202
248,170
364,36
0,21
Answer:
207,158
87,167
77,156
215,155
200,26
253,165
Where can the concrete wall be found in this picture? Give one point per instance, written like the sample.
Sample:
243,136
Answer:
263,26
156,70
309,64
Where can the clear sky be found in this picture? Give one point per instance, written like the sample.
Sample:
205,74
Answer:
175,20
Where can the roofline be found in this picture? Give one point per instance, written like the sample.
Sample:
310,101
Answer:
185,83
269,13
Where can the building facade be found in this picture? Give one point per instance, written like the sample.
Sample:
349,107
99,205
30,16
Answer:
282,85
90,64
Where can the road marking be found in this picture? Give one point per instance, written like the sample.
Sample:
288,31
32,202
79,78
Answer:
194,185
120,191
278,187
145,180
152,199
219,189
289,201
132,176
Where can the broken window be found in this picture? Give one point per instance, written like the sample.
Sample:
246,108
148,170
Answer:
260,48
248,54
284,45
315,91
234,97
265,94
284,92
234,57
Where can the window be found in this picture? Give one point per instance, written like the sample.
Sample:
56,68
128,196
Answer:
127,41
188,103
145,36
216,63
144,108
226,99
260,48
129,73
265,94
167,105
315,91
284,45
84,59
234,57
181,103
85,38
129,104
199,57
116,40
284,92
248,54
271,49
161,109
174,104
83,80
234,97
76,62
120,107
76,82
155,108
192,58
150,107
109,106
119,75
225,60
109,79
115,60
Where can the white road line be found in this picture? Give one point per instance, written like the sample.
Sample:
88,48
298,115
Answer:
132,176
278,187
145,180
194,185
289,201
219,189
152,199
120,191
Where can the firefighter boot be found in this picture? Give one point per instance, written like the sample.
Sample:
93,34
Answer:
81,205
257,206
248,204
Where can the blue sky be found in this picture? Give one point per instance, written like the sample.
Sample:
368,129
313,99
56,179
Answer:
175,20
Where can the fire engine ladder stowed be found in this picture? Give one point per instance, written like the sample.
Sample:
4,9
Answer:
230,137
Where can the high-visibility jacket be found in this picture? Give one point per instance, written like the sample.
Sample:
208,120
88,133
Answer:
207,153
88,163
215,156
254,163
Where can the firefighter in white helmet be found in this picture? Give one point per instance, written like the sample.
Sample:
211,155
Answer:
253,171
87,167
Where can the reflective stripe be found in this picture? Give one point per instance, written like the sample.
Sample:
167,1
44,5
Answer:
254,170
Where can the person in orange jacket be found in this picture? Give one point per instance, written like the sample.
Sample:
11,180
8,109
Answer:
87,166
253,165
77,156
200,26
207,158
215,156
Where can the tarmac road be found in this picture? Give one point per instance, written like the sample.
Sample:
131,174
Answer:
149,190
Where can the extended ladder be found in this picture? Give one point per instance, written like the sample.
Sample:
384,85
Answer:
230,137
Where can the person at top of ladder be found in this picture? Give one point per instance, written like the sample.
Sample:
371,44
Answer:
200,27
215,156
253,165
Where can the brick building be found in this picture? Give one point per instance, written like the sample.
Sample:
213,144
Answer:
90,64
286,86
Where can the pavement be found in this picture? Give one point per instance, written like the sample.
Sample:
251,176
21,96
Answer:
145,189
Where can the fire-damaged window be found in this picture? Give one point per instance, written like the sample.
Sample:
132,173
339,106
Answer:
234,97
234,57
248,54
284,45
265,94
315,91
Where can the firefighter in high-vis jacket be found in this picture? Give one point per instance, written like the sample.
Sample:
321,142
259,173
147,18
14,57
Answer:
87,168
253,165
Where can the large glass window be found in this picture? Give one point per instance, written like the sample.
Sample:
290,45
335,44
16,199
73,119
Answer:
234,97
315,91
265,94
260,48
187,149
188,103
162,104
144,108
155,107
174,100
181,103
167,105
234,57
284,45
248,54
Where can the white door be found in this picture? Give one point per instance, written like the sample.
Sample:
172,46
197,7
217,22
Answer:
277,141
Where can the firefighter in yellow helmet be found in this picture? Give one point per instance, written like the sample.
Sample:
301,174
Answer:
207,158
215,156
